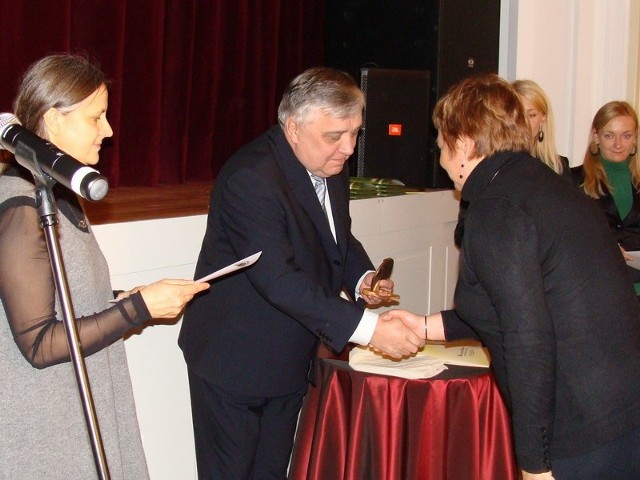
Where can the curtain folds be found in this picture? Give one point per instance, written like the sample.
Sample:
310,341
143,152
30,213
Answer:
192,80
359,426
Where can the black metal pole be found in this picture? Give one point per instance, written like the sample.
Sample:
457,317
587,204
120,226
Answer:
48,218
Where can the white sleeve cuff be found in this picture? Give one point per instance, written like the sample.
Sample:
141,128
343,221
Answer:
364,332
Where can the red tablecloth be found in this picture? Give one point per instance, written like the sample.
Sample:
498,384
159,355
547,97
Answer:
357,425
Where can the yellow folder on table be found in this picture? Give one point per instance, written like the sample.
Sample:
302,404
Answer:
457,354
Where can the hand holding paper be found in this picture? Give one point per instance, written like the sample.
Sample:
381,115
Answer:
632,258
244,263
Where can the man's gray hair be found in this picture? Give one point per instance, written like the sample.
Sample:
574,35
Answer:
332,91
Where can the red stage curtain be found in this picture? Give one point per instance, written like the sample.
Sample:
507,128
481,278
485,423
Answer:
192,79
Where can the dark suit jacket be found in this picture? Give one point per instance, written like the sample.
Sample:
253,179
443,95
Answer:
547,291
256,331
625,231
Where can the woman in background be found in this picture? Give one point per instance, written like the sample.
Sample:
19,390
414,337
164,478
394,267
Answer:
540,115
546,291
610,175
63,98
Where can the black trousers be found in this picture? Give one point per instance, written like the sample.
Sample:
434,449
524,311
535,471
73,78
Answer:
242,437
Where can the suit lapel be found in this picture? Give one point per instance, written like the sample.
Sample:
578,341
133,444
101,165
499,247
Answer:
302,189
634,214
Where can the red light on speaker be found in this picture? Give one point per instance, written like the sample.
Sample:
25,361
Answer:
395,129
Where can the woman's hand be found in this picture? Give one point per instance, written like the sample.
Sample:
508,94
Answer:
414,322
537,476
429,327
167,298
625,255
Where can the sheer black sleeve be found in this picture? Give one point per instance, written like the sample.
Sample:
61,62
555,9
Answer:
28,294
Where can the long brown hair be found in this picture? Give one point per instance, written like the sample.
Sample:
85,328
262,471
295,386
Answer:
59,81
595,179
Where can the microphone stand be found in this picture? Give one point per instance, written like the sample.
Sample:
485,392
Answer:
48,220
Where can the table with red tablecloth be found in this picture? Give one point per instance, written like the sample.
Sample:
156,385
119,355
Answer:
363,426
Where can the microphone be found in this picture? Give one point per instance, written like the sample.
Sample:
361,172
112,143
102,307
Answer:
39,155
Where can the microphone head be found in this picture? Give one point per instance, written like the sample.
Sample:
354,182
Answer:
91,184
6,120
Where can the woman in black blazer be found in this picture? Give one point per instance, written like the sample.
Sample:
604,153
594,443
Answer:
610,175
545,289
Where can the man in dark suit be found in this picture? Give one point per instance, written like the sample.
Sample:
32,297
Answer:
250,341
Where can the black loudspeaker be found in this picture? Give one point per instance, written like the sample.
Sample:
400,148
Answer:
452,39
394,142
468,40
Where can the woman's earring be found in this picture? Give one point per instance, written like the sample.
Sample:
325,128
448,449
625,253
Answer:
597,152
461,166
540,135
635,150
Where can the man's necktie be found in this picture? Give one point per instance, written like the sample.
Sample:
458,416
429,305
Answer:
321,190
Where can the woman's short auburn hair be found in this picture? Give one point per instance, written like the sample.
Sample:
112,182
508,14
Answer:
487,109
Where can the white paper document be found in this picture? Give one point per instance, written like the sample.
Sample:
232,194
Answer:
244,263
428,362
364,359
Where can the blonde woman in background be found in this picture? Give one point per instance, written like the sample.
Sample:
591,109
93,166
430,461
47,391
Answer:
540,115
610,175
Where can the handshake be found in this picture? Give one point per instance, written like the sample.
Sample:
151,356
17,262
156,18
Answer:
400,333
